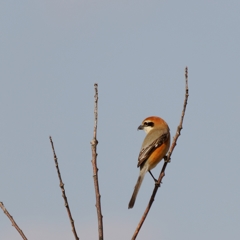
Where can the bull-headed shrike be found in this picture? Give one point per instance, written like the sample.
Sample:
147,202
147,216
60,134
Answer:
154,148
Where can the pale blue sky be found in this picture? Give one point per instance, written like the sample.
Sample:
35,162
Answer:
53,51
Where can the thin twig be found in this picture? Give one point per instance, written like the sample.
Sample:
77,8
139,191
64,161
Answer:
94,143
63,192
12,220
162,173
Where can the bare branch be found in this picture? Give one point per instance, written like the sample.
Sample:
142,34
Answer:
12,220
94,143
63,192
167,160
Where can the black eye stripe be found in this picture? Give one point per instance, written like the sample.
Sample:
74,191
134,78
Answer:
151,124
148,124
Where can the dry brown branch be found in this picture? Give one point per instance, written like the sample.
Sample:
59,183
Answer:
63,192
94,143
168,157
12,220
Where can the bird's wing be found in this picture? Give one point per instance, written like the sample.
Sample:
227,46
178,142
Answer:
147,151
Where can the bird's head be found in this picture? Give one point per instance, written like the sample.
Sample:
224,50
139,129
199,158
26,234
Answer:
151,123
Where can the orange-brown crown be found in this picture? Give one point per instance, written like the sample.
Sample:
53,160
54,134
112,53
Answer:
155,119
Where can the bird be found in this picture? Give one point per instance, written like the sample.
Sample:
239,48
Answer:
154,148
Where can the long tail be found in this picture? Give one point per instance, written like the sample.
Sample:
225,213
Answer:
137,187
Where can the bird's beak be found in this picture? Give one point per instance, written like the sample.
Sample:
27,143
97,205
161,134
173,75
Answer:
140,127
